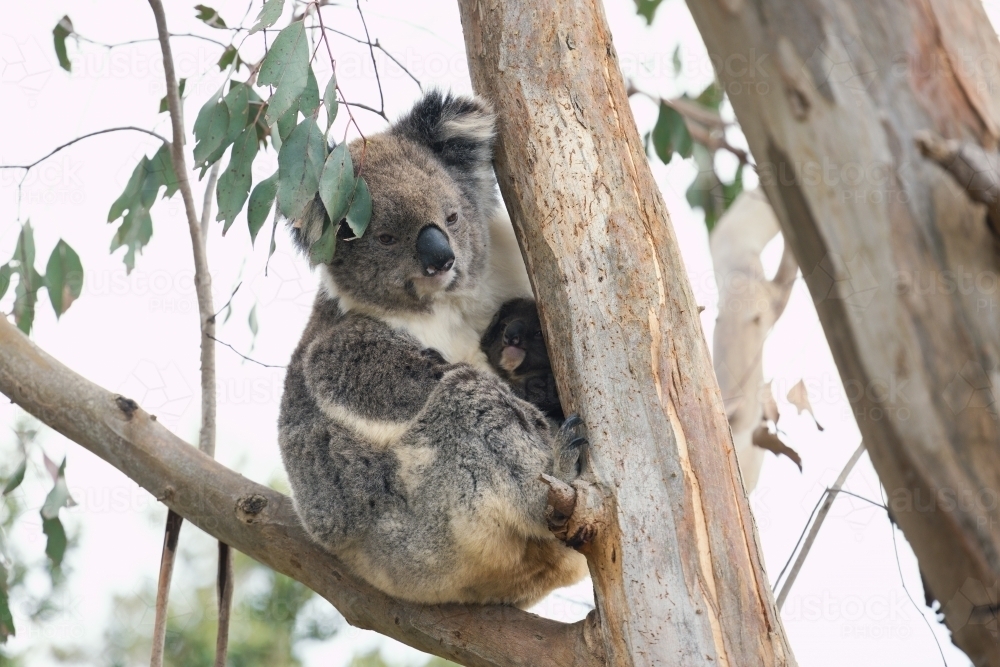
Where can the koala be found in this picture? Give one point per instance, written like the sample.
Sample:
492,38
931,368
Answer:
515,348
409,458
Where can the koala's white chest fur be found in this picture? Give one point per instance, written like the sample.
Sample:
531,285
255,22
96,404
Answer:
457,321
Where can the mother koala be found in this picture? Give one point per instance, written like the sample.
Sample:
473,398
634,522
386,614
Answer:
409,459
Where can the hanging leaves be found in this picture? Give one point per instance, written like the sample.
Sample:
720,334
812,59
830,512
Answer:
360,212
647,9
210,17
210,130
234,183
62,30
63,277
670,134
336,186
29,280
57,498
268,15
135,202
330,101
300,164
799,397
261,201
164,104
286,66
765,439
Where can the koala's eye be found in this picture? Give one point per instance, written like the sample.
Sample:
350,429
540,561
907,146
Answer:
386,239
538,335
452,219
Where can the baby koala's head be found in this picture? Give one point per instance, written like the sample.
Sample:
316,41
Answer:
513,343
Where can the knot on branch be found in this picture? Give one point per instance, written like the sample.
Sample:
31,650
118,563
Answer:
248,507
976,170
573,512
126,405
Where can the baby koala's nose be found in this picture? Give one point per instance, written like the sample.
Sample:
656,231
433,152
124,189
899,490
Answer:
514,334
434,251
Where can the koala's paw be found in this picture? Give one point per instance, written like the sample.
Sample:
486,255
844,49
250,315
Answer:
573,513
571,449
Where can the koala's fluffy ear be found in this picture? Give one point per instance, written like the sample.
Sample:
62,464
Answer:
460,130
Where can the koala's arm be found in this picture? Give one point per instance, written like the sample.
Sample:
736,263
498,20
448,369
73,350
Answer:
360,366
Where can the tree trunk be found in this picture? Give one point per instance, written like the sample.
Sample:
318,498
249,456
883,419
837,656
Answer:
676,565
832,96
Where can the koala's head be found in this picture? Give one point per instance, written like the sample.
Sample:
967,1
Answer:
513,341
433,191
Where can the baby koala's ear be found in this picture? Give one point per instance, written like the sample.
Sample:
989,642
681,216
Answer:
460,130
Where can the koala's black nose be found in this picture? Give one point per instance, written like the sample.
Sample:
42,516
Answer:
434,251
514,333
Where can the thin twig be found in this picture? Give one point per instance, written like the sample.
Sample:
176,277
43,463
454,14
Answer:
224,590
167,558
206,205
150,39
202,280
259,363
235,290
831,495
371,52
31,165
381,48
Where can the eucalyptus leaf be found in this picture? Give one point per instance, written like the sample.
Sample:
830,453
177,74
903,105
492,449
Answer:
286,66
15,479
58,496
210,17
252,321
321,251
229,56
309,100
63,277
55,545
300,164
235,181
360,212
330,101
165,104
214,130
5,273
268,15
238,103
63,30
670,134
336,186
261,201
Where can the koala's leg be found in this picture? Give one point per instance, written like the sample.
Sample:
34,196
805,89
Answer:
490,448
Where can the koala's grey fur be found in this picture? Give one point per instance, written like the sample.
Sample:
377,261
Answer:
408,457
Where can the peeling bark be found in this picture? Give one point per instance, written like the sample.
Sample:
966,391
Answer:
901,265
676,566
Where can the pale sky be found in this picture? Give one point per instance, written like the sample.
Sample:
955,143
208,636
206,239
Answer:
137,334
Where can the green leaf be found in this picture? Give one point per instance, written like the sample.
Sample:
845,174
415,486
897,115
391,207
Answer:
58,496
300,163
321,251
238,102
63,277
252,321
286,123
24,251
336,186
647,9
234,183
5,273
164,105
63,30
6,618
676,60
268,15
210,131
309,100
229,56
24,306
711,97
670,134
15,480
210,17
55,546
286,66
126,199
330,101
360,212
261,200
29,280
161,166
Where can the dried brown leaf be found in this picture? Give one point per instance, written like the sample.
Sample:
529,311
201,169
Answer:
763,438
799,397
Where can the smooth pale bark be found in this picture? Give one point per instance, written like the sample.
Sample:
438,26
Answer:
833,96
262,523
749,305
676,565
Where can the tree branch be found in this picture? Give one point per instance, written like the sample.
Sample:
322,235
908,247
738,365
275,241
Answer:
262,523
976,170
31,165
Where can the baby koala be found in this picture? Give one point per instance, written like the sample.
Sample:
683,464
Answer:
514,346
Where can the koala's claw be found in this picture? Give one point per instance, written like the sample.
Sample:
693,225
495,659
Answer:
583,536
571,422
